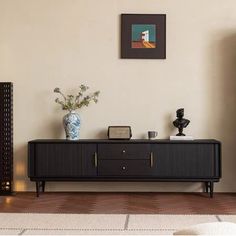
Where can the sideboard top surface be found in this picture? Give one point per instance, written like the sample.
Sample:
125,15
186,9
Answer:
156,141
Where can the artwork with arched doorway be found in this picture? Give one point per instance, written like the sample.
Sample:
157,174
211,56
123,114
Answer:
143,36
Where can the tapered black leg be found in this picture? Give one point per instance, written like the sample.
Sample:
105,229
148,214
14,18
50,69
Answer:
211,189
43,186
206,187
37,188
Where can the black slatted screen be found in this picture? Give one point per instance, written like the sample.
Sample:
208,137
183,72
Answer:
6,138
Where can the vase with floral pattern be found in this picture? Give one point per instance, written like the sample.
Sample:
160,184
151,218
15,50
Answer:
71,122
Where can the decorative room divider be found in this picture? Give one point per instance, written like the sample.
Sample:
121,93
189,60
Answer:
6,138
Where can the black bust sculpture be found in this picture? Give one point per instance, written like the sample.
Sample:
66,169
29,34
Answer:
180,122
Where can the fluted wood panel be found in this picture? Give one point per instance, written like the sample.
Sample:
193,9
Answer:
91,158
189,160
88,152
58,160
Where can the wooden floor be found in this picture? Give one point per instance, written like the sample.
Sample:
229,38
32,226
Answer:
120,203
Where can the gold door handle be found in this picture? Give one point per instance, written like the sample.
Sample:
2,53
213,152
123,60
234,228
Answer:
151,159
95,159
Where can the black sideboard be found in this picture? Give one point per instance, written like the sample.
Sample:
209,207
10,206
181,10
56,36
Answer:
120,160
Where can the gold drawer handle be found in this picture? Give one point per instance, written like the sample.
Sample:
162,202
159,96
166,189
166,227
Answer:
151,159
95,159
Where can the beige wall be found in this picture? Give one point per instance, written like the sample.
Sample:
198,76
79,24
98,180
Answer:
49,43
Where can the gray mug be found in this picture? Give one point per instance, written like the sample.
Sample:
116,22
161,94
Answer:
152,134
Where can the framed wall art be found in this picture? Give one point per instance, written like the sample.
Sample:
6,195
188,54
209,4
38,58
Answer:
143,36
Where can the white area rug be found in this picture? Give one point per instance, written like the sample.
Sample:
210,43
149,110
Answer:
101,224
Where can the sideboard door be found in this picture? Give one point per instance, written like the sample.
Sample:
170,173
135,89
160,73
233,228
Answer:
185,161
89,160
58,160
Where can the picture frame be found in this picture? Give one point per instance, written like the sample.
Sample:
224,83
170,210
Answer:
143,36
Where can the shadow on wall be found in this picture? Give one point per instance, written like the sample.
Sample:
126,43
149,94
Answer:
169,127
222,103
101,134
54,127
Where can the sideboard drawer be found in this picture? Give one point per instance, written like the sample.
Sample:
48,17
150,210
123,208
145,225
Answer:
124,151
124,168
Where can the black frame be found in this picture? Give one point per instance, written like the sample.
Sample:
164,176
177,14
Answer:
143,53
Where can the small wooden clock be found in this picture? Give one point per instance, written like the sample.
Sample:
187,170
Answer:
119,132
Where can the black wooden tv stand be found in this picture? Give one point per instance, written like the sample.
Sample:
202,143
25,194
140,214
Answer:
120,160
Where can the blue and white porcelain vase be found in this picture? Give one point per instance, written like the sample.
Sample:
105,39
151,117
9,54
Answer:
71,122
